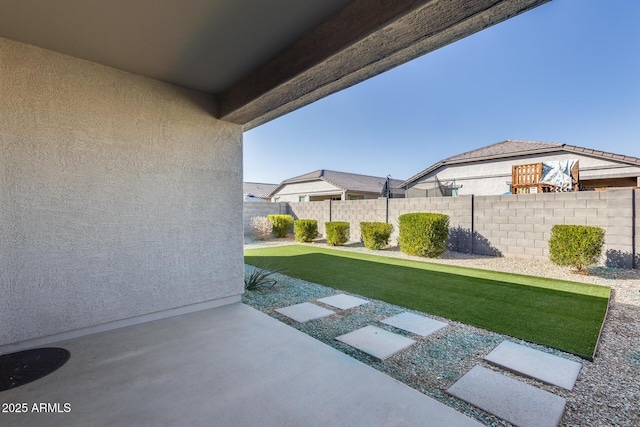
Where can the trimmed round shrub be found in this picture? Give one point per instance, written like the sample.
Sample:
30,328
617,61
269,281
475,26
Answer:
575,245
337,232
375,235
423,234
305,230
281,224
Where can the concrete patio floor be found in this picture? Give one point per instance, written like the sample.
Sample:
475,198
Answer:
227,366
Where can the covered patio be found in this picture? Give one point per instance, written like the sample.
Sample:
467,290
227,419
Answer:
121,199
227,366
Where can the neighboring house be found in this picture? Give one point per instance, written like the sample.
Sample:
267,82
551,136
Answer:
332,185
487,170
257,190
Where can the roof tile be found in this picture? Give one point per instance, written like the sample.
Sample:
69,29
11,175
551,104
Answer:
258,189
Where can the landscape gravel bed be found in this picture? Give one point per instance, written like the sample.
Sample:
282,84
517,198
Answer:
606,393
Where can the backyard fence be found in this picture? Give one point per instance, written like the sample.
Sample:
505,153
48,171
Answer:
507,225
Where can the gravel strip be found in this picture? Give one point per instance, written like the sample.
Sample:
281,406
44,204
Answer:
607,392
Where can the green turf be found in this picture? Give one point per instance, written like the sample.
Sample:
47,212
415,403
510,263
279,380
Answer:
560,314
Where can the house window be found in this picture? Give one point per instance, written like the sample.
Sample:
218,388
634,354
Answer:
301,198
276,199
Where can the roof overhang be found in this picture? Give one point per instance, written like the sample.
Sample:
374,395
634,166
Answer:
259,60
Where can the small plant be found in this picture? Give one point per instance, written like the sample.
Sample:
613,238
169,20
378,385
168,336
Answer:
375,235
576,245
260,278
423,234
337,232
281,224
305,230
262,227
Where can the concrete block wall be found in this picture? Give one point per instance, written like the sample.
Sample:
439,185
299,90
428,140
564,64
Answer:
636,195
311,210
621,221
251,209
356,211
507,225
459,210
520,225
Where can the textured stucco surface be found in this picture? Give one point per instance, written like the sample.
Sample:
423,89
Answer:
120,196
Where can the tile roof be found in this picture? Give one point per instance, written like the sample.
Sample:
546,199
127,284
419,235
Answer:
514,148
344,180
258,189
604,154
505,148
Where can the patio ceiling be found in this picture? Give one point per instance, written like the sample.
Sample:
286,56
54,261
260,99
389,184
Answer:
260,59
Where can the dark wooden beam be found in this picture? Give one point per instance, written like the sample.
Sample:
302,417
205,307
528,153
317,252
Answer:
363,40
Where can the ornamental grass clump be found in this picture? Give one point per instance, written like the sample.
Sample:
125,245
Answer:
261,277
262,227
305,230
423,234
337,233
577,246
281,224
375,235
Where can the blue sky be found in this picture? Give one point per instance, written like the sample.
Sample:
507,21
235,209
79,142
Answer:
567,72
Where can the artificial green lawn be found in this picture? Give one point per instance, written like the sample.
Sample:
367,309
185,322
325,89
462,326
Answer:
560,314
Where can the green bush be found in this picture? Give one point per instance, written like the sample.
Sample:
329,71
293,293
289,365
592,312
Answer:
305,230
281,224
423,234
375,235
575,245
337,232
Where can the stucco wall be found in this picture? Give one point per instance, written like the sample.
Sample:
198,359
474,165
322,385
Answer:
119,196
492,177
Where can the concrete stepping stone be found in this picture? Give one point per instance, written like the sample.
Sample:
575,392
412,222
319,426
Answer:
512,400
342,301
536,364
376,342
304,312
415,324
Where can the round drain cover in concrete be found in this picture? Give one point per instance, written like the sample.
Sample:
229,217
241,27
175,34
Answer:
20,368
